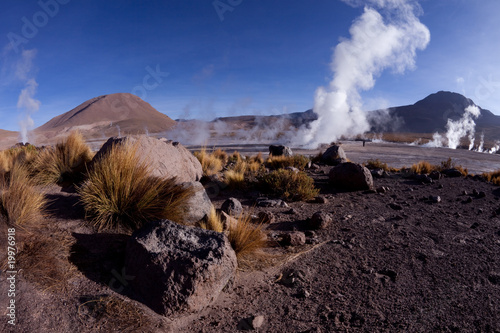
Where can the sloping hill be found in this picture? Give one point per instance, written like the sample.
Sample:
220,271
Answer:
122,112
432,113
8,138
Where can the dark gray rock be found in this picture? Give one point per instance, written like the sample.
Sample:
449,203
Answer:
266,217
280,150
351,177
265,202
334,155
294,238
198,205
452,173
378,173
319,220
178,269
232,207
424,179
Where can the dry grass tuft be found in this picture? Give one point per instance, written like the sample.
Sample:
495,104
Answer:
281,162
66,163
377,164
211,163
43,260
493,177
114,314
256,159
19,155
120,193
290,185
20,202
234,177
422,167
212,221
247,239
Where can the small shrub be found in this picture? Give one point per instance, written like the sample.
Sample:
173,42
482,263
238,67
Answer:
212,221
246,238
120,193
290,185
281,162
66,163
20,202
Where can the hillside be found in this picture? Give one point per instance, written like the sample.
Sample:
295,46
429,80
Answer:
8,138
432,113
121,112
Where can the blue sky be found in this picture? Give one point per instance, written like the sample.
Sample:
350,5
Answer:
260,57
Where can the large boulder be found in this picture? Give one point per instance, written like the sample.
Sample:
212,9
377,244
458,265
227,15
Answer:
280,151
166,158
334,155
198,205
178,270
351,177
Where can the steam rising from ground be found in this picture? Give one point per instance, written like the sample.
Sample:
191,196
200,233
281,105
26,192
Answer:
458,129
377,42
26,103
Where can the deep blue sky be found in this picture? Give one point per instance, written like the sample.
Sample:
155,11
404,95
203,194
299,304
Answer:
264,56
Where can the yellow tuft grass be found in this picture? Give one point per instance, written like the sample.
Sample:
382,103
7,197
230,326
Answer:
212,221
18,155
119,192
246,238
281,162
377,164
422,167
20,202
493,177
66,163
211,163
290,185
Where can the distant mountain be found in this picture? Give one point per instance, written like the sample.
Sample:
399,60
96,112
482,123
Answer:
295,119
432,113
98,116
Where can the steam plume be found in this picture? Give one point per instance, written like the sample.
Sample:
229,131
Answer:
465,126
377,42
26,103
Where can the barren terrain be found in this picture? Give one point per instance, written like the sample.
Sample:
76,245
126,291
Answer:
392,261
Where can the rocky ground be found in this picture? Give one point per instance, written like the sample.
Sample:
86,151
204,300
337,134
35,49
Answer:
411,257
397,261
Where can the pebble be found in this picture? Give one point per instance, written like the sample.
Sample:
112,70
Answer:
435,199
294,238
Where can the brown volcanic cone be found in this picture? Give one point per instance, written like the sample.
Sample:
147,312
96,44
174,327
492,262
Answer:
103,114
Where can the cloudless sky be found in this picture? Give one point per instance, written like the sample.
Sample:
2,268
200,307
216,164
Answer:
260,57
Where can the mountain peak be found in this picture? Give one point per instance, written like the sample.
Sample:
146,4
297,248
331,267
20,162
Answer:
123,109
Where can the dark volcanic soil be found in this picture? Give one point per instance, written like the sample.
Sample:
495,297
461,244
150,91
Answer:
416,267
389,262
